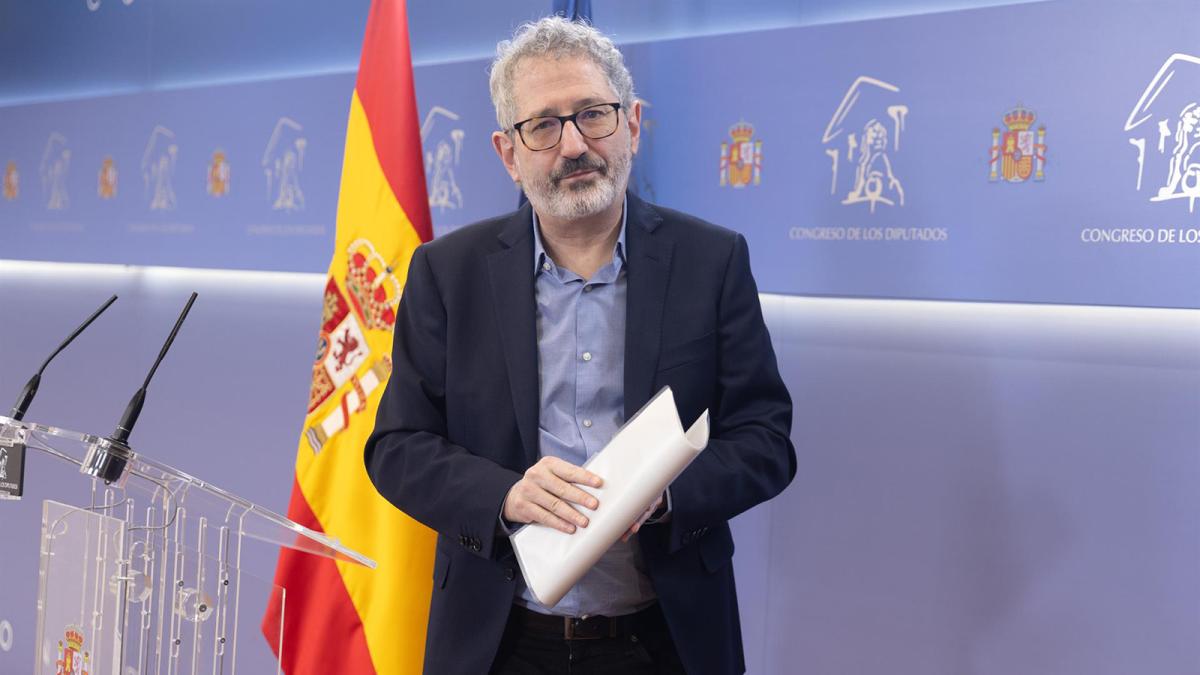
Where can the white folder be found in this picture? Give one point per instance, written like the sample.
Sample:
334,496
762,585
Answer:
644,457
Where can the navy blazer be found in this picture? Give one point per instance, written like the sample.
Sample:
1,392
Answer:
457,425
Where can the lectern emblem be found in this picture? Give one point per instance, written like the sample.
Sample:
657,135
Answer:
12,469
72,659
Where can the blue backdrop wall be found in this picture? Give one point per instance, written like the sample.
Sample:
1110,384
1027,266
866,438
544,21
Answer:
1000,481
915,157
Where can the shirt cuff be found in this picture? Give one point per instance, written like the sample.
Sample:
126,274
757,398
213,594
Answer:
503,525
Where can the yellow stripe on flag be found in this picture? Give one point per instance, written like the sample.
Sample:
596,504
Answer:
392,600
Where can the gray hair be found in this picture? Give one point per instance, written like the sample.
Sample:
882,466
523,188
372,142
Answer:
557,38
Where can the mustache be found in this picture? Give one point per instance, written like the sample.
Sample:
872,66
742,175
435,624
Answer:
584,162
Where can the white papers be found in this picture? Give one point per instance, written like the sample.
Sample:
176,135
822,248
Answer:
649,452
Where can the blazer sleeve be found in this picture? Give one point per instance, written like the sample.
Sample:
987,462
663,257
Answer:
408,455
750,457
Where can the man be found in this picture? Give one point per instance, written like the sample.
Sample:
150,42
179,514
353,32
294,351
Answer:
525,341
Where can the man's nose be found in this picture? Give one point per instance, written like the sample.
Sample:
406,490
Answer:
573,143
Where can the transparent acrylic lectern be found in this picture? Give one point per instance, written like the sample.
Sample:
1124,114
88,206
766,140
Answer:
146,576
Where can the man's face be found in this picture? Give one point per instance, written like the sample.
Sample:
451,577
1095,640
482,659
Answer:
580,176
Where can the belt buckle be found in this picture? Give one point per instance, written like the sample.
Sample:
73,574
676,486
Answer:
569,626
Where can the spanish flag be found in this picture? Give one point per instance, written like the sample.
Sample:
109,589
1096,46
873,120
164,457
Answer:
342,617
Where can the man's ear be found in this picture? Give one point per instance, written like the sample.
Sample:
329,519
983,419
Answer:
503,145
635,125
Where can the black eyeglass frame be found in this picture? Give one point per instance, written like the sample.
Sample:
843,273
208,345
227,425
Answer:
562,124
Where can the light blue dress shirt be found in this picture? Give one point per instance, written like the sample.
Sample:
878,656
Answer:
581,371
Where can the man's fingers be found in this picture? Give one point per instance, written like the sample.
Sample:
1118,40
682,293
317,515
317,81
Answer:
566,492
548,493
637,525
577,496
561,509
571,473
551,520
633,529
521,509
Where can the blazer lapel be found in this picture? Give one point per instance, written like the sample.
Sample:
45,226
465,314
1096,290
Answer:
649,256
511,273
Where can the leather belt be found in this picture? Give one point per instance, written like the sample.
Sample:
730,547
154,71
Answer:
574,628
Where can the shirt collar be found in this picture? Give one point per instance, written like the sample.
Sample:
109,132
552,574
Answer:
539,252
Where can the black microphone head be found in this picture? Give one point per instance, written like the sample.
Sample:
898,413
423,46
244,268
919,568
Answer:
26,397
129,418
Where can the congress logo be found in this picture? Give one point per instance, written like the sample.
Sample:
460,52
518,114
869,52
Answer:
866,127
72,658
1018,153
741,157
1164,129
12,181
344,369
443,152
106,179
217,182
56,162
282,162
158,168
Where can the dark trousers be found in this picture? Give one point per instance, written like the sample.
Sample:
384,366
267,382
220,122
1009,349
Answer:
644,648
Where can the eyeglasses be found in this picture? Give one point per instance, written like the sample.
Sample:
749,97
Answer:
594,122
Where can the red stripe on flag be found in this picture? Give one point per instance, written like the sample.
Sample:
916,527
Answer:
335,643
385,88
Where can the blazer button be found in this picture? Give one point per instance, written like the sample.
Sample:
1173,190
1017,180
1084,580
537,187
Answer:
476,546
509,574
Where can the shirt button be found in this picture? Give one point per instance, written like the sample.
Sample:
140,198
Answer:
587,424
546,266
587,356
587,289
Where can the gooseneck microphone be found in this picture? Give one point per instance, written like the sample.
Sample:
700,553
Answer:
107,458
31,387
125,426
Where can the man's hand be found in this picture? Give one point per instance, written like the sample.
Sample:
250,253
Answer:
637,524
546,493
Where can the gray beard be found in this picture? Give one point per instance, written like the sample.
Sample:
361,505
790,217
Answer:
584,199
